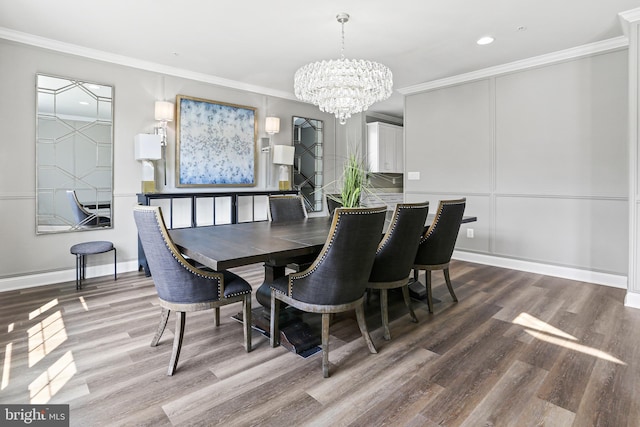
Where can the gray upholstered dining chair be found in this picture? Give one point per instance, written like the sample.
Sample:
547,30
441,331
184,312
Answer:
337,279
395,256
437,244
286,208
181,287
333,202
83,217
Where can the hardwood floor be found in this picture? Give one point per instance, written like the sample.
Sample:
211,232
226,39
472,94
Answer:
519,349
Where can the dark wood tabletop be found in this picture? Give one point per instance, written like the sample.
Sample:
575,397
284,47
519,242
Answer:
225,246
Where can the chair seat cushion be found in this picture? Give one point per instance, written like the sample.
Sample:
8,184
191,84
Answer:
235,285
95,247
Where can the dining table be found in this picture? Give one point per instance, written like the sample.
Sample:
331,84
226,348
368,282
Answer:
275,244
221,247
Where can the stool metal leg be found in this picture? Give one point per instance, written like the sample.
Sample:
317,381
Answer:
78,266
115,265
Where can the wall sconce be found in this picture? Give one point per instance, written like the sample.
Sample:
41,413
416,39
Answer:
283,156
272,125
148,147
163,114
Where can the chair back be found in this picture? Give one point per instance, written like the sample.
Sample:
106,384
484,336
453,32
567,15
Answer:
82,216
176,280
286,208
438,242
333,202
340,273
397,250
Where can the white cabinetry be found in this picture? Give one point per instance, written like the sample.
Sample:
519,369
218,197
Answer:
384,147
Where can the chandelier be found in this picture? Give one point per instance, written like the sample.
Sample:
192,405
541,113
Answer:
343,86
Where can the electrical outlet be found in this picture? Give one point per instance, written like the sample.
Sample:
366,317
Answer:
413,176
470,233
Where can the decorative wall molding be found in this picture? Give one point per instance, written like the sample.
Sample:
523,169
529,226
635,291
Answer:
580,275
608,45
99,55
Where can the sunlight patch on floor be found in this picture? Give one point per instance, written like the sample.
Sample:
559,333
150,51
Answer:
6,366
547,333
528,321
46,336
37,312
43,388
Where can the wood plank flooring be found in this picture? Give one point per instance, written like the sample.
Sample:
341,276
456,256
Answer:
519,349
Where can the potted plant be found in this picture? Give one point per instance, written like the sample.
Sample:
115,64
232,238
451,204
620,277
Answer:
353,182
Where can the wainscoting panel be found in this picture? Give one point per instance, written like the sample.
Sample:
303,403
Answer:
573,232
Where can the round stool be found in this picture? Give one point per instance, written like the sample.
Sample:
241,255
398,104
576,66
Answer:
81,250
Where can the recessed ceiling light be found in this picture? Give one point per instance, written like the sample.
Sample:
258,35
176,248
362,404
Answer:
83,103
485,40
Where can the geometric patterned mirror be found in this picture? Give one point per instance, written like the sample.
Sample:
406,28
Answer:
308,140
74,155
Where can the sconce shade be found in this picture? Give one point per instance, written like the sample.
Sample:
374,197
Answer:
283,154
164,111
148,146
272,125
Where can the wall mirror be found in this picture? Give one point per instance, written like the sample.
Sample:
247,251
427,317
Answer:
74,155
308,140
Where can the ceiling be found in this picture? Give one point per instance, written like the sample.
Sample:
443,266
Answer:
259,45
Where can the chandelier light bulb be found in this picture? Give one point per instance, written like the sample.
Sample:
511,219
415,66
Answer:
343,86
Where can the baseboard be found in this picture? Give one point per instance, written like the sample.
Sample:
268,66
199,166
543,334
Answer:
616,281
61,276
632,299
598,278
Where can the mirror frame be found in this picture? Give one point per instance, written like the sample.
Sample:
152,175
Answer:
317,203
68,137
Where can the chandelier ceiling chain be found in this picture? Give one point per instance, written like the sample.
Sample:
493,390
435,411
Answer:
344,86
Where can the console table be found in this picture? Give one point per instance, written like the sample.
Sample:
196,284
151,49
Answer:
187,209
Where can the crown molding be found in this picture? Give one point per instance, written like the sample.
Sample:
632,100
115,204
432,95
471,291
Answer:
608,45
99,55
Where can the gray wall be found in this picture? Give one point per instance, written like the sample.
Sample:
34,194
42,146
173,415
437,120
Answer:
540,154
26,254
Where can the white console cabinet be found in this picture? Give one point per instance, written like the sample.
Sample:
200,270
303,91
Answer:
384,147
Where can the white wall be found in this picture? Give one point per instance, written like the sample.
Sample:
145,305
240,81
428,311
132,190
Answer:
27,259
540,154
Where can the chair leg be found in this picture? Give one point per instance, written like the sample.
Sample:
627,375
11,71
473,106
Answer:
216,316
164,316
274,331
384,311
115,264
326,318
246,317
407,301
363,328
177,341
416,272
427,279
448,280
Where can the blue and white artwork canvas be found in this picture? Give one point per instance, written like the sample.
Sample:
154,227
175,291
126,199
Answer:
216,143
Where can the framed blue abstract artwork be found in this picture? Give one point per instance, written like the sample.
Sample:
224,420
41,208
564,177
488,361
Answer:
215,143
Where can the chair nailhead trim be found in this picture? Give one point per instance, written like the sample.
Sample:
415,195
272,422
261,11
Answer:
186,266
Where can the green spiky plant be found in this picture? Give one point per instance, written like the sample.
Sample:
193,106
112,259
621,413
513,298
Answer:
353,182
